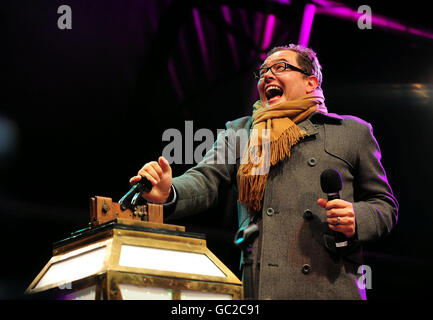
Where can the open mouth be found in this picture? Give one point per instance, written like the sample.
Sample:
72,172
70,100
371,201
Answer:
273,92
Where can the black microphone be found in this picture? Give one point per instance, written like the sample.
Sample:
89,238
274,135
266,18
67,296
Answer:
331,183
245,237
129,200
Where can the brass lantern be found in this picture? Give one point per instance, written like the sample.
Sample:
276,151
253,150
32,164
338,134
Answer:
127,258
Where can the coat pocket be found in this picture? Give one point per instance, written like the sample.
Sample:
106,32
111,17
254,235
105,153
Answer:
340,147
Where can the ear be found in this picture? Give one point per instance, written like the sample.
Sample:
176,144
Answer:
311,83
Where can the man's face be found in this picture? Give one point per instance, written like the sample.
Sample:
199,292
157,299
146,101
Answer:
292,84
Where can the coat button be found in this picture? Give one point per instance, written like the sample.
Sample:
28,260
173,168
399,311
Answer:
308,214
306,269
270,211
312,162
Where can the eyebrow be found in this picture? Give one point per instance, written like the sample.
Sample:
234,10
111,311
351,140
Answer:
278,60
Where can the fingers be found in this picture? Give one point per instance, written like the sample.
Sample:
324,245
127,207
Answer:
340,215
337,207
347,229
337,203
334,221
160,175
322,202
134,179
165,166
152,171
155,168
340,212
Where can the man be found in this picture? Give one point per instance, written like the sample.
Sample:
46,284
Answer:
295,255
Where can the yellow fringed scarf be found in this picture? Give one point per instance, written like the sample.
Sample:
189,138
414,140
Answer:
273,135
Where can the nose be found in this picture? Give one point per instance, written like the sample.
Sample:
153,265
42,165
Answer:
268,75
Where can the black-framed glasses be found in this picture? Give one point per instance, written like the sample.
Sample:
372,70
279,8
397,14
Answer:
277,68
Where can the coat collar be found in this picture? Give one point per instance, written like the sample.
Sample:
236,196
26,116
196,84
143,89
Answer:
309,124
318,117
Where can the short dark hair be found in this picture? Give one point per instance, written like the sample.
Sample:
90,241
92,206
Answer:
307,59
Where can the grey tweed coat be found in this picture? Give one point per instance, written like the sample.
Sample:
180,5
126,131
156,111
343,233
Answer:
295,255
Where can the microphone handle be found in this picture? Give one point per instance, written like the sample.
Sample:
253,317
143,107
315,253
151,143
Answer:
340,239
129,194
130,199
144,185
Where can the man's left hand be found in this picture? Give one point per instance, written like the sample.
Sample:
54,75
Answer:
340,216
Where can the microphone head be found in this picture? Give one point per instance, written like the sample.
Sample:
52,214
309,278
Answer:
331,181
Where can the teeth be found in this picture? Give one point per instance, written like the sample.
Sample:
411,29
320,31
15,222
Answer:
273,87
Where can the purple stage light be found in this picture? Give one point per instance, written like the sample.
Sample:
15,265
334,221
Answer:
339,10
246,28
245,24
174,79
362,291
257,30
227,17
202,42
307,22
420,33
377,155
379,21
258,26
286,2
226,14
269,30
185,54
152,15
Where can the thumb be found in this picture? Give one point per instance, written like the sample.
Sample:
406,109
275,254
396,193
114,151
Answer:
165,166
322,202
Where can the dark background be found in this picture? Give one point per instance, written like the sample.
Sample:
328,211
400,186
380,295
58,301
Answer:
82,110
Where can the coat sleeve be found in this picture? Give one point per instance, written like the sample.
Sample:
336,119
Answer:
197,189
376,208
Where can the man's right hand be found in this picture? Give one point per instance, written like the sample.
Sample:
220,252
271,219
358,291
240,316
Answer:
159,174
